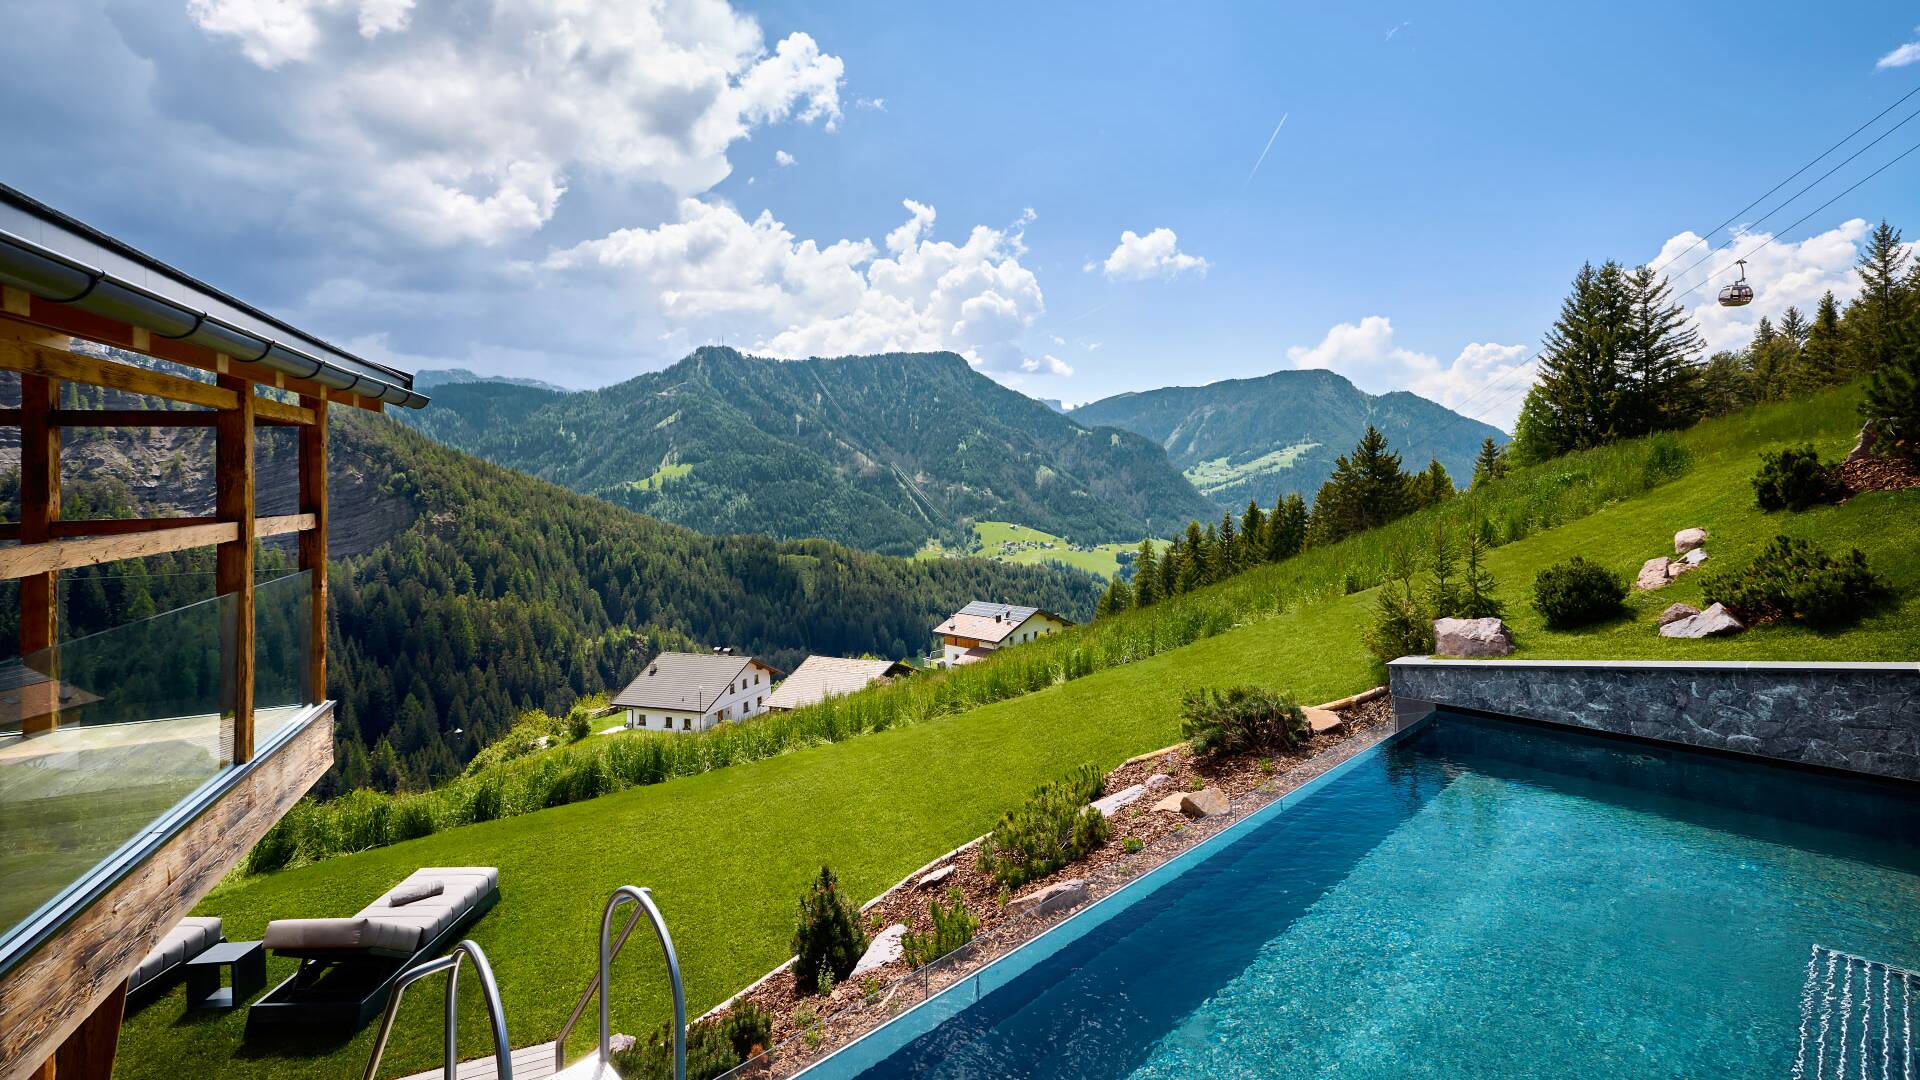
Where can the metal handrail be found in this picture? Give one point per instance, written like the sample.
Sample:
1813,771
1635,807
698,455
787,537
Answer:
643,905
489,992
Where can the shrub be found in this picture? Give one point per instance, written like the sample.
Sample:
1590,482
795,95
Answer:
1052,828
715,1046
579,725
1240,719
1794,479
411,819
488,800
1133,845
1402,625
953,926
1796,580
1666,459
1577,593
828,941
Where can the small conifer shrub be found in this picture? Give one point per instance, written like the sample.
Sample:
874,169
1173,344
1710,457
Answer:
828,940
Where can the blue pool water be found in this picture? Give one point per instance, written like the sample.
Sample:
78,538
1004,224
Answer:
1475,899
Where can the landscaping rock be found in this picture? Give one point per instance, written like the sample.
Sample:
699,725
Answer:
1695,557
1059,896
1869,441
1323,721
1204,803
934,877
1126,796
1471,637
1157,781
1687,539
1653,573
885,949
1171,804
1676,612
1714,621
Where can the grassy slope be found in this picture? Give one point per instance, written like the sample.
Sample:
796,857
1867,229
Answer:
727,852
1103,560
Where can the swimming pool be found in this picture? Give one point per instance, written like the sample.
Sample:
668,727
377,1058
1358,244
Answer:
1477,897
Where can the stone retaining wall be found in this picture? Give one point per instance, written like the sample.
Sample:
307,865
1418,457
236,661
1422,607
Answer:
1859,717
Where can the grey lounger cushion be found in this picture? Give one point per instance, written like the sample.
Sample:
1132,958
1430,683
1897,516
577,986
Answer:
195,935
390,925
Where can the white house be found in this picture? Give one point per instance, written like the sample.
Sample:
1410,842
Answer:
694,691
975,631
821,677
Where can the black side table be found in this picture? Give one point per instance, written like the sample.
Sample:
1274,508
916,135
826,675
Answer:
248,959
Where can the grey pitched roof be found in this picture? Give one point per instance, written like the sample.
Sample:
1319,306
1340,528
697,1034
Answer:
1015,613
821,677
983,620
689,682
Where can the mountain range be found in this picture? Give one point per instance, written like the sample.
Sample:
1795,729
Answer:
879,452
1262,438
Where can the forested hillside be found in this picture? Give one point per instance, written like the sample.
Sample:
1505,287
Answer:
880,452
1279,434
481,592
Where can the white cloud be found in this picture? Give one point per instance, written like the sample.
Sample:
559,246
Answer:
1047,365
1783,274
1902,56
461,123
1156,254
876,104
1485,377
783,159
791,297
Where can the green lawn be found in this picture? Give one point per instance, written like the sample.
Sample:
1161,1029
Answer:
727,852
1004,541
1213,474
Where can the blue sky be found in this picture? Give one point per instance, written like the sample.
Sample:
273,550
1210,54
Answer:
582,191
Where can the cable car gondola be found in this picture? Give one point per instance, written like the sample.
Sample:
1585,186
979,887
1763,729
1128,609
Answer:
1738,294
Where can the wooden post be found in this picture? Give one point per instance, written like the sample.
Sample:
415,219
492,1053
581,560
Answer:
313,542
88,1053
233,567
39,509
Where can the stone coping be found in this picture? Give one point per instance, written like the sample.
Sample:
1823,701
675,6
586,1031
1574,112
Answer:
1785,666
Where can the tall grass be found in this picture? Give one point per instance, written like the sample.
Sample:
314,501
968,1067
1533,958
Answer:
510,780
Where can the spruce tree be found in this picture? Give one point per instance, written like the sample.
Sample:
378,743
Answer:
1490,464
1193,559
1874,318
1659,380
1443,592
1212,557
1763,334
1287,533
1432,486
1793,326
1146,586
1253,535
1893,389
1572,406
1725,385
1115,600
1823,359
1168,580
1226,560
1367,490
1476,585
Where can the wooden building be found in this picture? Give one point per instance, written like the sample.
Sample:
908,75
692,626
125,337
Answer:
92,727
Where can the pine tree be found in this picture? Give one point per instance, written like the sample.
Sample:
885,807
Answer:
1874,318
1572,406
1432,485
1660,382
1253,535
1823,359
1287,533
1170,562
1793,326
1367,490
1227,553
1893,389
1146,585
1193,559
1476,585
1763,334
1443,593
1212,555
1115,600
1490,464
1725,385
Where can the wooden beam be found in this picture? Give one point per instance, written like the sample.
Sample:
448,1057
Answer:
88,1053
233,566
131,418
267,410
124,526
47,995
39,509
313,541
28,359
282,524
19,562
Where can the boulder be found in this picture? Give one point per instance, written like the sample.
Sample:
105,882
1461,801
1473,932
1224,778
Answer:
1695,557
1714,621
1171,804
1126,796
1204,803
1059,896
1653,573
1676,612
1323,721
1869,441
884,950
934,877
1687,539
1471,637
1157,781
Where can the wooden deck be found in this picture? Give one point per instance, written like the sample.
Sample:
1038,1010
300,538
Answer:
529,1063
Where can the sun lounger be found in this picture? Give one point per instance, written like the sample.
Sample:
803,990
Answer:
347,966
159,968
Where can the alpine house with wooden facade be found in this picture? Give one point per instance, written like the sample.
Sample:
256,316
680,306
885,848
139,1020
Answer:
139,763
975,631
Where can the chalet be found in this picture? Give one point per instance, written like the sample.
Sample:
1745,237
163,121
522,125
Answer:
682,691
975,631
172,738
821,677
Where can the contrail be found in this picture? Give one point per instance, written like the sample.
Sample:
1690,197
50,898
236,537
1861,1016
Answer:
1396,30
1268,147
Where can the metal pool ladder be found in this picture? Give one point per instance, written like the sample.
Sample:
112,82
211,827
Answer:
1856,1017
489,992
642,900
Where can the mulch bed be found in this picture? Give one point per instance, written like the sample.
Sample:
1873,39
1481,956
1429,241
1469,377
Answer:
1878,474
856,1007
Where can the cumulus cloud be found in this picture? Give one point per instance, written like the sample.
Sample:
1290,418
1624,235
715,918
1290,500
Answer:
794,297
783,159
1155,255
1485,378
1783,274
456,123
1902,56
